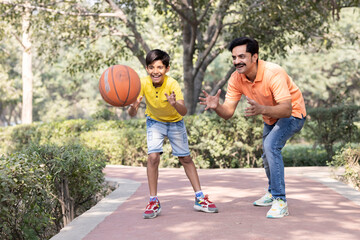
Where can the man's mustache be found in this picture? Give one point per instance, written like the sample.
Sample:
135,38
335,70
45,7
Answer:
239,64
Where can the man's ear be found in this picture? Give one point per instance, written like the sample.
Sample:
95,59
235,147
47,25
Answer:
255,57
167,69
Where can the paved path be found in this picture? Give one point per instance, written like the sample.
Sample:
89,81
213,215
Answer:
320,207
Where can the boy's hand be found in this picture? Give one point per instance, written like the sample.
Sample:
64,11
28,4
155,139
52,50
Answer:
172,98
136,103
210,101
134,107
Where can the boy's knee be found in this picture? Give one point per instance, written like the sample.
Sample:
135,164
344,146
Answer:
153,159
185,160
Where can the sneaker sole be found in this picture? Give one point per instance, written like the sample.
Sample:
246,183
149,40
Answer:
278,216
262,204
198,208
152,216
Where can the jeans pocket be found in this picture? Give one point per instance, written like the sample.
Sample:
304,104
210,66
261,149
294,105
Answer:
150,122
297,124
180,124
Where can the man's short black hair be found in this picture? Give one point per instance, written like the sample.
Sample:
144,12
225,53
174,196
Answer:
252,45
157,54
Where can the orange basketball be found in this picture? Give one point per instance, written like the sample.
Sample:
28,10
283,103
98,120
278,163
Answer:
119,85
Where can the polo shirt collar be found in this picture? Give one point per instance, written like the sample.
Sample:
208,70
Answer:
162,85
260,71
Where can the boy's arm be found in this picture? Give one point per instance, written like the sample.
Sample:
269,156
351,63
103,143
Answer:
132,110
179,105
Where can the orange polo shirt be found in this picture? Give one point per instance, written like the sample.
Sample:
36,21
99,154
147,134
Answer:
271,86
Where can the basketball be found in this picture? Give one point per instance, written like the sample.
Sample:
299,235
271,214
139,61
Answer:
119,85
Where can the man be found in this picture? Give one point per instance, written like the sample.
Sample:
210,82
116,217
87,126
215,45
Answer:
272,93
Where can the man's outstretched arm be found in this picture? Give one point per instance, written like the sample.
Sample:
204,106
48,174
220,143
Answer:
225,110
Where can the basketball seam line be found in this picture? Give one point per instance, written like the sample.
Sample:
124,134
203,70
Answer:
105,96
112,76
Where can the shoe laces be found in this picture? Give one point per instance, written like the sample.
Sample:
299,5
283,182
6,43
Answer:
205,199
278,202
150,205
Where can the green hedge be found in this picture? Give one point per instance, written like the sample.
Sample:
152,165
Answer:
349,157
214,142
45,186
295,155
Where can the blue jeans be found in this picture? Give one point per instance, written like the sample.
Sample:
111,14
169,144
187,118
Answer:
274,139
174,131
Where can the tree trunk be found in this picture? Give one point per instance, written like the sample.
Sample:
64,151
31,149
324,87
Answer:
188,47
67,202
27,76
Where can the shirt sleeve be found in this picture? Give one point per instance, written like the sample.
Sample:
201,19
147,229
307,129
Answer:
280,88
143,84
234,89
177,90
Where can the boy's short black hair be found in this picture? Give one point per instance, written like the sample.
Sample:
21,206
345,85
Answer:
252,45
157,54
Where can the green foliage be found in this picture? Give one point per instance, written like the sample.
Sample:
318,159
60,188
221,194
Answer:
32,197
216,143
104,114
336,124
349,157
303,155
80,167
25,206
125,145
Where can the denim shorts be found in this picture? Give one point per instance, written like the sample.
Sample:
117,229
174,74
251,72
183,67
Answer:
176,133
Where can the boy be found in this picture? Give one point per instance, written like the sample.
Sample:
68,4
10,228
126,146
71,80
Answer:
164,112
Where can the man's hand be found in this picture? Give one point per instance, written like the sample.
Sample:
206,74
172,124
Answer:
211,102
254,108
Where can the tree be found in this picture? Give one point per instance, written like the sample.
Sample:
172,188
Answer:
206,27
21,18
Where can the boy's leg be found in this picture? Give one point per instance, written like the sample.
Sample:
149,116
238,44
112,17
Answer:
152,170
155,137
202,203
191,172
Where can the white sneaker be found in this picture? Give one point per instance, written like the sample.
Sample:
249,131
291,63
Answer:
279,209
264,201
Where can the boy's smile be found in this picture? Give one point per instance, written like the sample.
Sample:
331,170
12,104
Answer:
157,71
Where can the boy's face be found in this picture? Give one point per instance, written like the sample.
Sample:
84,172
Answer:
157,71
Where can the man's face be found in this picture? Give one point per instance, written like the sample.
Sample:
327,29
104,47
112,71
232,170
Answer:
242,60
157,71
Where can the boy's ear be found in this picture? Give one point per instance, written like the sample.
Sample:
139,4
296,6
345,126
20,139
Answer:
168,69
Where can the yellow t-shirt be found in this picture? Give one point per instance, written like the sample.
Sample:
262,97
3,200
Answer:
157,105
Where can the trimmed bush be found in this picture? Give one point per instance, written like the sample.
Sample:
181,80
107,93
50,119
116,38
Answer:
349,157
46,186
303,155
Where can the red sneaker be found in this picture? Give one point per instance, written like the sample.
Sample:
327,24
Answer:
205,205
152,209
